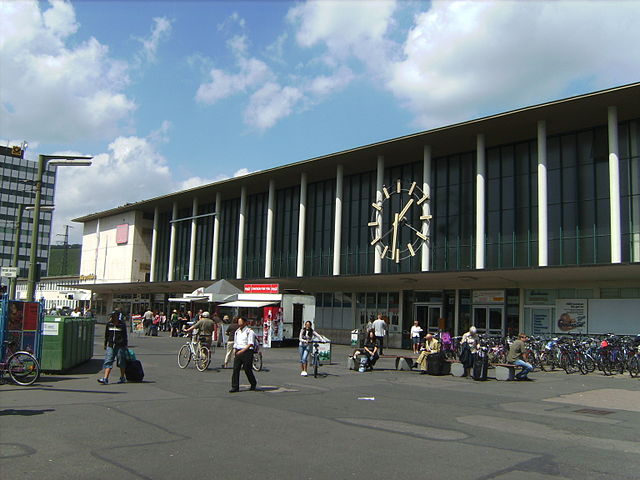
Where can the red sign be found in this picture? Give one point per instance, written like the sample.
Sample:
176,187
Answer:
122,234
261,288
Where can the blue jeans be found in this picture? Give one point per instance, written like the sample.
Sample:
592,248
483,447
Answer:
304,353
112,354
526,368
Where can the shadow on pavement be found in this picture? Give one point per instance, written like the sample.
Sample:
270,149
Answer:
24,413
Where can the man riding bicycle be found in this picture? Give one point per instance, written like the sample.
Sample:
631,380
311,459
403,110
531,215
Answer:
205,327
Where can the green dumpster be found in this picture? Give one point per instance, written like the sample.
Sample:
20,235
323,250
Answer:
66,342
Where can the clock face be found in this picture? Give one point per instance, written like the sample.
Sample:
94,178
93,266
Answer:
399,223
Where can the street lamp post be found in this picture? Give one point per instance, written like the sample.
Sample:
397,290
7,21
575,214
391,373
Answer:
42,161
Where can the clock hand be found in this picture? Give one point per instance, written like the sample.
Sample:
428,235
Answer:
405,209
395,234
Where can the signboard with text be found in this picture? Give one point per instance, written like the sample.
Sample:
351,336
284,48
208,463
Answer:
261,288
572,316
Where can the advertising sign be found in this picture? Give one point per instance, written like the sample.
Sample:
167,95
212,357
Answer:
488,296
21,325
572,316
541,321
272,324
262,288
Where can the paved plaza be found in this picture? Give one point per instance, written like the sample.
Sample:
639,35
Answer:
385,424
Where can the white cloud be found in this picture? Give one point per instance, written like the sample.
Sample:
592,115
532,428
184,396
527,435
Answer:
271,103
462,59
346,28
161,30
252,72
54,89
131,170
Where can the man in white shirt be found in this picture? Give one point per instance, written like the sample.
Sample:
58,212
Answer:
244,341
380,328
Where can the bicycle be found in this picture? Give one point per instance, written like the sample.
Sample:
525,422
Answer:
22,367
315,358
201,354
257,357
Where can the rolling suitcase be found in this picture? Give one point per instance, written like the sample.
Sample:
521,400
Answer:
133,371
480,366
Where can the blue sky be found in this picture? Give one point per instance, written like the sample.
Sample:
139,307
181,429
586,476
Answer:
168,95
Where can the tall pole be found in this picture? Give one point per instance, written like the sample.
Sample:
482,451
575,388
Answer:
31,280
16,250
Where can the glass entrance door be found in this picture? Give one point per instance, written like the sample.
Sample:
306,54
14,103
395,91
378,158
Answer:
427,315
489,319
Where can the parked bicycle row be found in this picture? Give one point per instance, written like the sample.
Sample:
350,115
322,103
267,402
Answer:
609,354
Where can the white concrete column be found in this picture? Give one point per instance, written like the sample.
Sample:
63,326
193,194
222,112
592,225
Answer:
614,187
172,243
543,226
154,244
377,266
426,206
192,244
337,225
302,221
480,200
216,237
271,205
242,220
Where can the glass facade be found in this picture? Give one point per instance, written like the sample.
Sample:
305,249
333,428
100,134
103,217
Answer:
358,193
452,234
16,188
318,255
204,242
578,196
228,249
162,247
255,236
512,206
629,133
285,232
578,214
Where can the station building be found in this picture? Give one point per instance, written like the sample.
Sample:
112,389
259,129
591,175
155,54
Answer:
528,220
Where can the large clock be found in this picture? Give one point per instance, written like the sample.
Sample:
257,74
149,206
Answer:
398,222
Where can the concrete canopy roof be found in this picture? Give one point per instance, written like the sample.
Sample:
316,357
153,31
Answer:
575,113
613,276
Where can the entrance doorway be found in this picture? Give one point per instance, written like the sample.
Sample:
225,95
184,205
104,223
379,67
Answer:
428,314
298,308
488,319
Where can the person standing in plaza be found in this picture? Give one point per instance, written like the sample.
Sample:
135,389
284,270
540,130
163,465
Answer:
469,348
305,343
175,323
380,328
244,341
147,321
416,334
518,356
115,345
230,332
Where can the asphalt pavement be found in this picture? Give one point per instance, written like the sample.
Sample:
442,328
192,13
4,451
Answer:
385,424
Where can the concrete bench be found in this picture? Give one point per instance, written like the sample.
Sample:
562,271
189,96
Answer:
457,369
402,362
505,371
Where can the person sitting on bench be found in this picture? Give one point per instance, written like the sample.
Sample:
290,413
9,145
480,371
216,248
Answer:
431,346
518,356
370,349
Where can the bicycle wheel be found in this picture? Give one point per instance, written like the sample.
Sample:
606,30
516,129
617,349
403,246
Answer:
590,363
257,361
582,365
203,359
184,356
23,368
